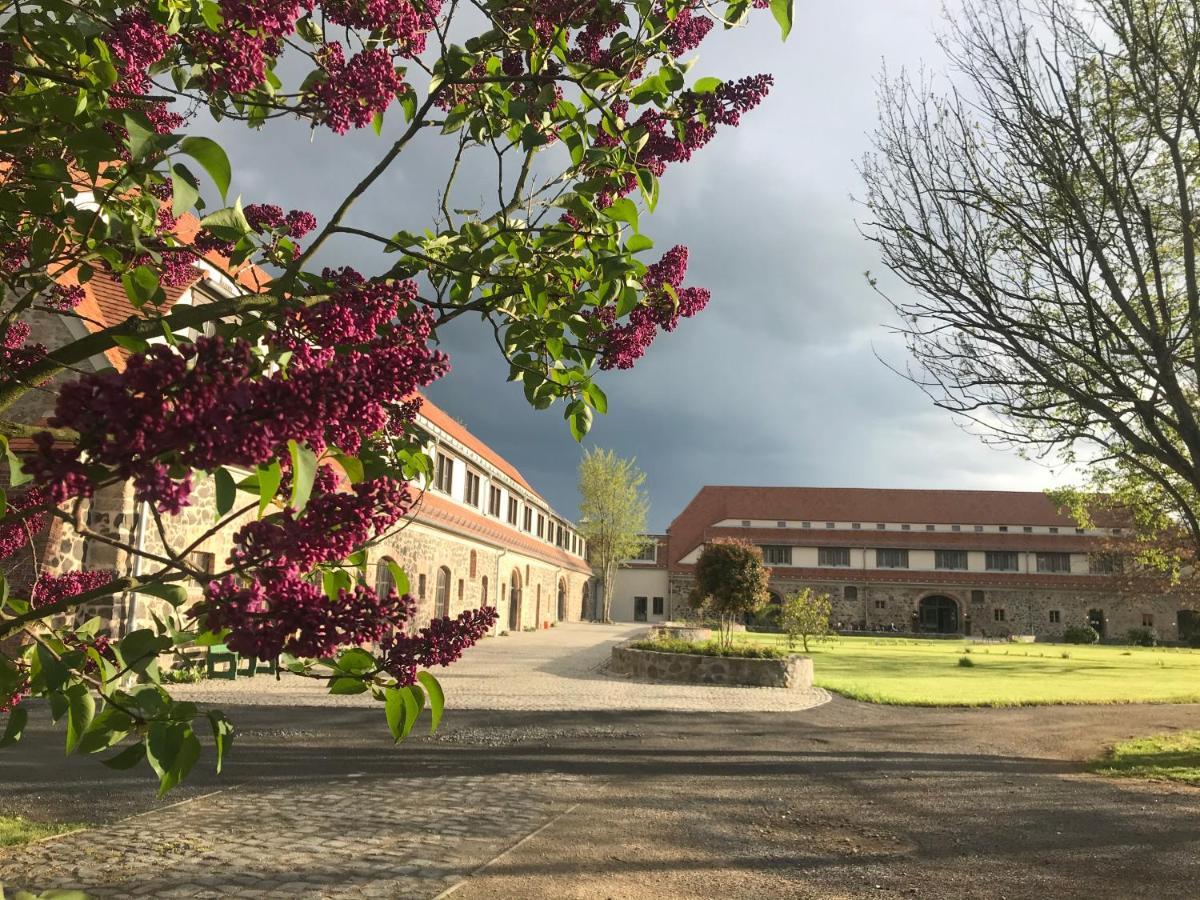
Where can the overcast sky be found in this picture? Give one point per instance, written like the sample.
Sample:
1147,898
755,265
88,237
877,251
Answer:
777,382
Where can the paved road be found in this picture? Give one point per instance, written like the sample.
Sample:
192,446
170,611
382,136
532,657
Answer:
843,800
558,669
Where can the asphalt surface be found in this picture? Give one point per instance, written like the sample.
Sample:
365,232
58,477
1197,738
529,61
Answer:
844,800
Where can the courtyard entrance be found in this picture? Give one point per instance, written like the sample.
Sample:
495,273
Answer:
938,615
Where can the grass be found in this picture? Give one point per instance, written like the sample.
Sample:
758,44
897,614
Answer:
911,672
17,830
742,650
1162,757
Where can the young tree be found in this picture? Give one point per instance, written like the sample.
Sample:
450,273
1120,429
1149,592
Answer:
612,515
805,614
731,583
290,398
1044,211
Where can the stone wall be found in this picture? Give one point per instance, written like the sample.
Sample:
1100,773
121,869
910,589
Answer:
689,668
1023,611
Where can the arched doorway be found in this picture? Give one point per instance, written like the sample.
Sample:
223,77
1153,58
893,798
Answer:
1096,620
1187,621
938,615
514,601
562,600
585,609
442,597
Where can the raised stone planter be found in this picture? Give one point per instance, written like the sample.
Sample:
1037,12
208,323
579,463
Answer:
682,632
690,668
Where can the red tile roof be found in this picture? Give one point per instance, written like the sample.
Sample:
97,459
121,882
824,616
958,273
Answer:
460,433
867,505
913,540
440,512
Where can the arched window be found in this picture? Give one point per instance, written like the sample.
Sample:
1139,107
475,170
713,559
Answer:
383,578
442,598
514,601
461,586
483,592
562,600
472,563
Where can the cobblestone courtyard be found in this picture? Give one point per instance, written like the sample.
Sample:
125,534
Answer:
550,780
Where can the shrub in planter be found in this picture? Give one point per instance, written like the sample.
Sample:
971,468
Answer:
711,648
1142,637
1080,634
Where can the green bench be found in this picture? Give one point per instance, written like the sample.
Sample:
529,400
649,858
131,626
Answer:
227,664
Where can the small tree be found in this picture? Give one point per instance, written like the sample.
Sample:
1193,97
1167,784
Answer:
612,515
731,583
805,614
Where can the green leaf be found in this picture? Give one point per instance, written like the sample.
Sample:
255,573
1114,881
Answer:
623,210
184,190
172,749
53,673
222,735
437,698
399,577
210,638
17,718
356,661
304,470
16,472
579,418
706,85
352,465
81,708
175,594
596,398
142,287
226,489
783,11
393,709
345,685
130,343
637,243
127,758
229,223
269,478
413,699
141,139
377,122
140,648
210,155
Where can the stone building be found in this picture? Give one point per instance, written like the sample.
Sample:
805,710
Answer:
478,533
981,563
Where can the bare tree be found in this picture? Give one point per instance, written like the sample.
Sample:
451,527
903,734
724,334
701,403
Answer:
1042,207
612,516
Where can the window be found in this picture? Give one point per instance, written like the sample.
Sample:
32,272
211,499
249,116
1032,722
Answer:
881,526
833,556
1053,529
998,614
494,501
512,510
856,525
420,587
1116,531
383,579
461,589
1079,531
906,528
1028,529
442,598
648,553
541,531
1147,620
203,561
978,529
658,606
830,525
1055,616
950,559
956,528
1004,528
891,559
777,556
881,604
473,563
977,596
745,523
1054,562
849,592
806,524
483,585
1104,563
781,524
528,526
445,473
930,527
1001,560
472,494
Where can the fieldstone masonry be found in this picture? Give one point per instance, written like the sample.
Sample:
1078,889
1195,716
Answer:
693,668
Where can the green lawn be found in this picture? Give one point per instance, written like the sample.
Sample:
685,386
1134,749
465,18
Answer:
1164,757
17,830
928,673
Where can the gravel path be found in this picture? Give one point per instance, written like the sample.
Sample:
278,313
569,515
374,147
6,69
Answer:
559,669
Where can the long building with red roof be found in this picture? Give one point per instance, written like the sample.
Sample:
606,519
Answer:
980,563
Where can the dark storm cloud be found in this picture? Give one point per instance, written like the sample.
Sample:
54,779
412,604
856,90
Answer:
778,381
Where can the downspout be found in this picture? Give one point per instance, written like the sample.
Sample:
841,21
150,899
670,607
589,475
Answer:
136,569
